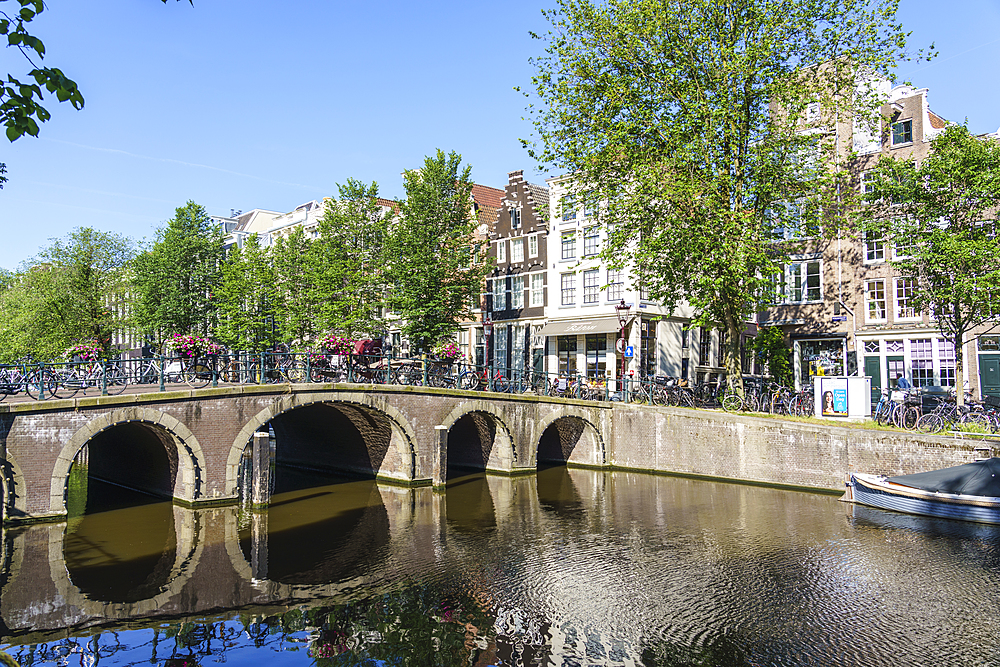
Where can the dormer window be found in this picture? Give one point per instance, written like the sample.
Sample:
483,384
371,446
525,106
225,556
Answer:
902,132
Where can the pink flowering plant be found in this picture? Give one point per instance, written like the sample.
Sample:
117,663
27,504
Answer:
447,351
87,351
335,345
190,346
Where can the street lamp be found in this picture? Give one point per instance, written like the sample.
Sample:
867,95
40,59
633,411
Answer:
622,309
488,333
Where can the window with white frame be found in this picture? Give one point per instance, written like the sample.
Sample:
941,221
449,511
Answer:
904,298
902,248
568,245
537,290
569,207
875,302
614,285
567,289
705,346
502,251
871,347
533,246
517,250
591,240
874,247
517,292
894,346
922,362
591,285
946,361
499,294
589,204
515,218
902,132
802,281
867,181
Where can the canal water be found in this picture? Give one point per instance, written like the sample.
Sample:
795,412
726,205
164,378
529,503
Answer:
569,567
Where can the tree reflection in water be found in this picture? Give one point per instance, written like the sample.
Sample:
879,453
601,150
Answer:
415,625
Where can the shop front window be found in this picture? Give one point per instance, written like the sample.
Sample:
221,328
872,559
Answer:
597,351
820,357
567,355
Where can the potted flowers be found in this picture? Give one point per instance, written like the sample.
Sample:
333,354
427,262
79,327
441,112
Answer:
446,352
189,346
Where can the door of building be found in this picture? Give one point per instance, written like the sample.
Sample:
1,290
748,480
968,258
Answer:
895,366
989,374
873,369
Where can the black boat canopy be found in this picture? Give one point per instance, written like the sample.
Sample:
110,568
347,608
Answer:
981,478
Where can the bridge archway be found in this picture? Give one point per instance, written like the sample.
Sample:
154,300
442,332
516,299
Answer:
372,437
570,437
478,439
161,437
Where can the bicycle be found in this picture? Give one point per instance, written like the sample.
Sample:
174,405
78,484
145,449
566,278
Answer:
194,372
36,383
107,376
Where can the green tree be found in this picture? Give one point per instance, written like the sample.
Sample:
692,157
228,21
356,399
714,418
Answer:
348,262
434,280
297,298
176,278
686,118
941,216
247,298
769,346
72,291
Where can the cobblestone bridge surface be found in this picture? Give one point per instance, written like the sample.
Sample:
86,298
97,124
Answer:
189,445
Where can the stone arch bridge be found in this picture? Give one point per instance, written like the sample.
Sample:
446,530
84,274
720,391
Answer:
189,445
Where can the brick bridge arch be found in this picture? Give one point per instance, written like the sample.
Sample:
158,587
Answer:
503,455
189,482
582,431
402,438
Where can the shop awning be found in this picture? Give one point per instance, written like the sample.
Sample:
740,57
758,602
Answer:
592,326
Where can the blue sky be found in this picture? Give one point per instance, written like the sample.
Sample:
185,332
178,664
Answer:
240,104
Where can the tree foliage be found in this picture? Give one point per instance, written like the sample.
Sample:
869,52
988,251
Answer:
687,118
434,277
175,279
72,291
941,215
297,320
348,262
247,297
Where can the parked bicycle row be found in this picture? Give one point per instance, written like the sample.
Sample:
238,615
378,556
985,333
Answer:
905,409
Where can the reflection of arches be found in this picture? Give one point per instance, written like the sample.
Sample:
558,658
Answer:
469,505
15,501
189,545
393,447
180,444
354,521
478,438
569,438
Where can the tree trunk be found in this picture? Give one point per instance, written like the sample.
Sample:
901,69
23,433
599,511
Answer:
959,370
734,364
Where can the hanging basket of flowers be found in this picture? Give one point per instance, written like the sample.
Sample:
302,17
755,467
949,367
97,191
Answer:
88,351
335,345
446,353
188,346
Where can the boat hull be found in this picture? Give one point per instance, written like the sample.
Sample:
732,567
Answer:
875,491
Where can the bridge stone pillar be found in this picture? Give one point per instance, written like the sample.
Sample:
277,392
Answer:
260,476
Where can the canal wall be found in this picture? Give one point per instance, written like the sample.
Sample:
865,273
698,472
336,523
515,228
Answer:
774,451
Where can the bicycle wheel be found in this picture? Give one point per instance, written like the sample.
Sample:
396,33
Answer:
41,384
66,384
931,423
117,380
500,384
910,416
732,403
469,381
197,375
295,372
978,420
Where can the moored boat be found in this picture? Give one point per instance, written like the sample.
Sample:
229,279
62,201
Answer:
969,492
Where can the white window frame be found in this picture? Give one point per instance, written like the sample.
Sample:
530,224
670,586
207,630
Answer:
615,286
874,249
515,218
567,242
537,290
892,132
567,289
591,241
533,245
896,301
869,301
517,250
517,292
592,286
794,269
502,250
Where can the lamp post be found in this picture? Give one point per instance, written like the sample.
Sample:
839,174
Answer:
622,309
488,333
